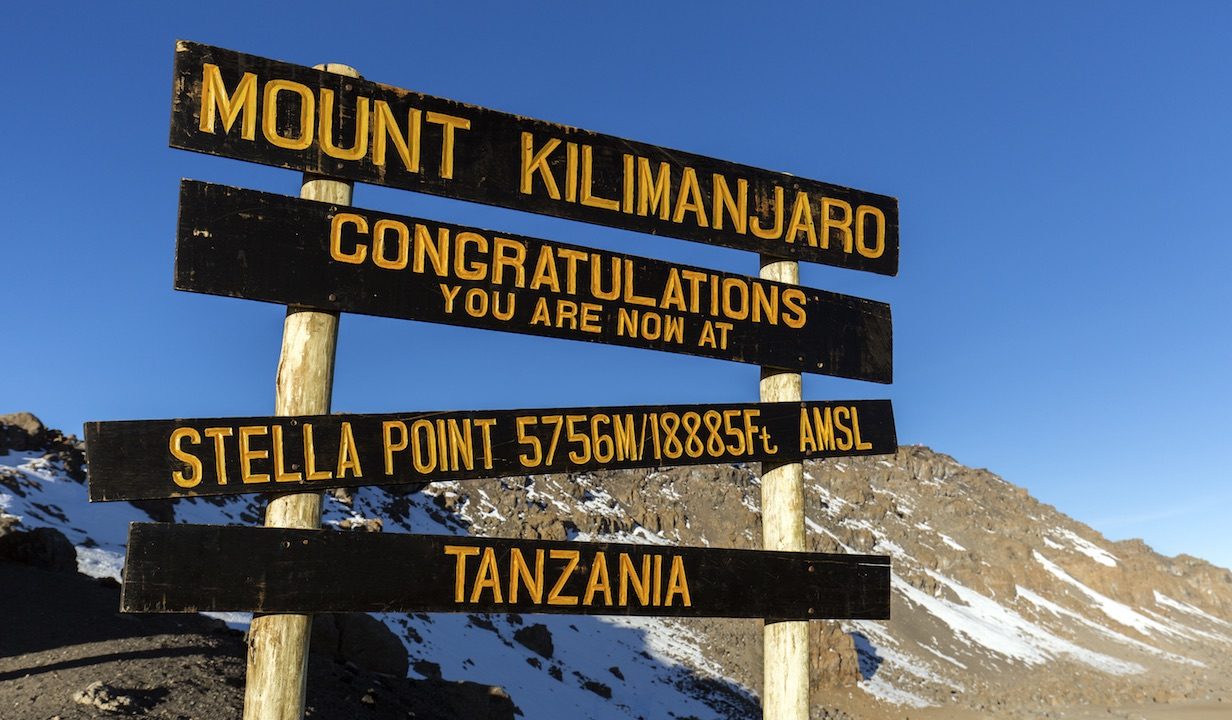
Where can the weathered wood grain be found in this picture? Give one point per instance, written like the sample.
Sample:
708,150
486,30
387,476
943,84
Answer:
189,568
785,644
260,110
261,246
130,460
276,677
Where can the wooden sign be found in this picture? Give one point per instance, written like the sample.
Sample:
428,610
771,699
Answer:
251,108
146,459
191,568
259,246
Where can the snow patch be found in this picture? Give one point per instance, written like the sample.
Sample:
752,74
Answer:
99,563
984,622
1119,612
951,542
879,687
1088,548
1059,611
1166,601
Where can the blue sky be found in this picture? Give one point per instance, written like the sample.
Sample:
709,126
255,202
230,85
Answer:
1062,170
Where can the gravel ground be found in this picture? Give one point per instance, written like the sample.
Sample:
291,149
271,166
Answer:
65,652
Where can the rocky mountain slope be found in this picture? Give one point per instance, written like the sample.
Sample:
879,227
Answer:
1001,605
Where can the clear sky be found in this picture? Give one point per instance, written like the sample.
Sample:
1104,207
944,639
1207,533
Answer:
1063,171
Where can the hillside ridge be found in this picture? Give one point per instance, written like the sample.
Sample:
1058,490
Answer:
1001,604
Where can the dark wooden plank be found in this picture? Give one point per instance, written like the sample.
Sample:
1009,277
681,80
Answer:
260,110
190,568
261,246
144,459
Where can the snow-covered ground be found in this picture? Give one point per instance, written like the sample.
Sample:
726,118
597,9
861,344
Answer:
651,667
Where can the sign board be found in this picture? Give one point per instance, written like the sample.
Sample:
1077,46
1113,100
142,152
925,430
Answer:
251,108
147,459
260,246
191,568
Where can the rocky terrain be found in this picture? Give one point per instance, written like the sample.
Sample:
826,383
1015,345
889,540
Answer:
1002,607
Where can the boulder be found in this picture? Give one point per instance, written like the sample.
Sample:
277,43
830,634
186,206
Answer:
21,431
45,548
537,638
361,639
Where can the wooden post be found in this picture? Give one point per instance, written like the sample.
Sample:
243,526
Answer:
278,644
785,659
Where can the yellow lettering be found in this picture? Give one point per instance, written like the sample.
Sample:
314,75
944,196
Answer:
423,454
247,455
801,219
448,124
707,338
476,306
310,458
627,575
571,557
673,292
596,272
823,427
348,456
357,256
630,296
843,443
488,576
879,219
794,301
694,278
808,443
485,430
622,430
653,192
215,99
737,210
460,553
626,184
540,315
307,115
437,253
603,445
510,254
571,257
677,584
476,270
657,594
841,224
359,147
442,443
280,470
855,430
176,445
740,309
588,196
777,230
545,270
461,444
520,574
571,171
765,303
386,128
588,321
690,199
218,434
598,581
387,430
538,161
566,313
403,235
